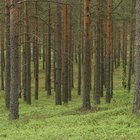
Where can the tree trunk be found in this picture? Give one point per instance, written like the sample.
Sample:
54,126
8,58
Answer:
108,53
65,84
102,59
7,71
14,92
19,54
49,54
97,70
124,54
79,54
132,39
136,100
46,57
44,44
27,54
58,56
118,47
69,53
86,64
2,58
36,58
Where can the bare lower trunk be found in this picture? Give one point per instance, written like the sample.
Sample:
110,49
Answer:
14,92
109,50
136,100
86,64
58,56
2,60
66,67
36,52
7,72
49,54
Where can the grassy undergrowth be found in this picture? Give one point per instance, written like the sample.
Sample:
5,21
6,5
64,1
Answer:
45,121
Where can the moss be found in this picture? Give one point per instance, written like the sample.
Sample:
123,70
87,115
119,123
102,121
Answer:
45,121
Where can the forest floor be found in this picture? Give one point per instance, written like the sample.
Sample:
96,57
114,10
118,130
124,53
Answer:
45,121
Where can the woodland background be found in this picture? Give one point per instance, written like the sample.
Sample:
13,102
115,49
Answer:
67,70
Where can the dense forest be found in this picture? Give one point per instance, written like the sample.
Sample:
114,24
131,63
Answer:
69,69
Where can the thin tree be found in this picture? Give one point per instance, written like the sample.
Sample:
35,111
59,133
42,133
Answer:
65,80
118,46
27,53
7,67
124,54
14,92
69,52
20,53
49,53
79,51
102,61
2,57
108,52
58,55
136,100
36,51
86,64
97,70
132,39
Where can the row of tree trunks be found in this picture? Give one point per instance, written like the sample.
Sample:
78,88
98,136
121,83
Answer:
106,56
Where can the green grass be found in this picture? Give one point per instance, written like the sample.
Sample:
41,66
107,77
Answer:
45,121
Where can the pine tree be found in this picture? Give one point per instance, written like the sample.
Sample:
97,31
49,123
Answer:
14,92
86,64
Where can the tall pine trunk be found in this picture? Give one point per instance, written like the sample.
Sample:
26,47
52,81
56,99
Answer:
7,70
14,92
86,64
58,55
65,84
124,54
49,54
36,51
136,100
2,58
108,53
27,53
97,70
132,43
